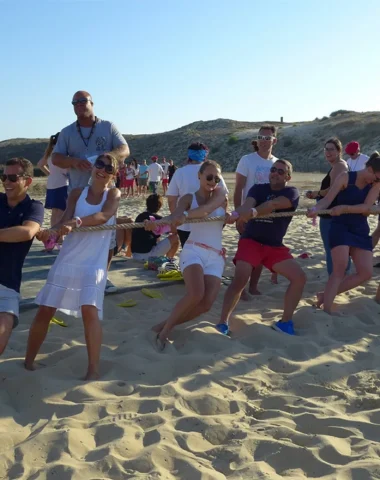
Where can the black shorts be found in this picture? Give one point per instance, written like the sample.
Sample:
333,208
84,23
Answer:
183,236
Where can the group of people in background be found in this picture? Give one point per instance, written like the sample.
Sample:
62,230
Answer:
137,179
86,161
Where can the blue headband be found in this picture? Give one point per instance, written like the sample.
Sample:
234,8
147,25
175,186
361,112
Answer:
197,155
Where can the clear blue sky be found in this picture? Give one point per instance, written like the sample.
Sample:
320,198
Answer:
155,65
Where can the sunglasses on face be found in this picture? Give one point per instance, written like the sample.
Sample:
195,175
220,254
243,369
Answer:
265,137
80,101
280,171
100,165
211,177
12,177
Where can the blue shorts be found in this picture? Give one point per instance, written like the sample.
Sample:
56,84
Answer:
56,198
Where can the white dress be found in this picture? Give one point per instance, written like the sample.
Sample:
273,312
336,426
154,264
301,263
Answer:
79,274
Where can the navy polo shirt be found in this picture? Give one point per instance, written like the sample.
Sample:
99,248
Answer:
12,255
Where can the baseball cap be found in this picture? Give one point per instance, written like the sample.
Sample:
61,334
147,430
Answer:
352,148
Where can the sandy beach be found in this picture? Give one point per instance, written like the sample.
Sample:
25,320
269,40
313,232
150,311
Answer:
256,405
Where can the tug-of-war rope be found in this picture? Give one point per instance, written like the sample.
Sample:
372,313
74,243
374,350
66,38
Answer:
130,226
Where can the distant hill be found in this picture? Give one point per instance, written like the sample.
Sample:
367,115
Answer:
301,143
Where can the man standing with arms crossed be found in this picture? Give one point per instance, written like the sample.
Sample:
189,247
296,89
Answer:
87,137
20,220
253,169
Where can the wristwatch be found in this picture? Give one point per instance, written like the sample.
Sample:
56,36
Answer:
78,222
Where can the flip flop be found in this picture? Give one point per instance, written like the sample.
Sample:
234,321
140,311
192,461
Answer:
58,322
128,303
151,293
222,328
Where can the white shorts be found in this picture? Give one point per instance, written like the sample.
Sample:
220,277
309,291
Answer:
211,262
160,250
9,303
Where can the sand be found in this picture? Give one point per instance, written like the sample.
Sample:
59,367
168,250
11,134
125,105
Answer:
258,405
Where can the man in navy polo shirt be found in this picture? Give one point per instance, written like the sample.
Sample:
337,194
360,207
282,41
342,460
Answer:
262,244
20,220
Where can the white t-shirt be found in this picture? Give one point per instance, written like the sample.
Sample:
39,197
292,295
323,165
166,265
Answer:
185,180
155,172
58,177
358,164
256,169
130,173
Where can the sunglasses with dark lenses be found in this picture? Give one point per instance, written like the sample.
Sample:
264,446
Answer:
99,164
280,171
12,177
265,137
211,177
80,101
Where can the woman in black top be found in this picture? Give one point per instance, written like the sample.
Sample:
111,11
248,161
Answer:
333,154
146,244
171,169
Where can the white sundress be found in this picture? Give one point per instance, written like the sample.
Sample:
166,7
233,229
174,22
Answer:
79,274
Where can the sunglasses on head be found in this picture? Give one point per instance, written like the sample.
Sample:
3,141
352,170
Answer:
280,171
99,164
211,177
12,177
265,137
80,101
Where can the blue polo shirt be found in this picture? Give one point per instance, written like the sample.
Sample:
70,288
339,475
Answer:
12,255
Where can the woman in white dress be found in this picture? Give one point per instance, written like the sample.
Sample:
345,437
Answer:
202,258
76,282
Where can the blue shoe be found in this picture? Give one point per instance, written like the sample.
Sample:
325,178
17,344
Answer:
284,327
223,328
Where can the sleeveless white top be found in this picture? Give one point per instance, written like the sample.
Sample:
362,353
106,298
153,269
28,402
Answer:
58,177
209,233
79,274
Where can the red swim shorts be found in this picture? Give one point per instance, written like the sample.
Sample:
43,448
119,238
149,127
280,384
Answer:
129,183
256,254
165,181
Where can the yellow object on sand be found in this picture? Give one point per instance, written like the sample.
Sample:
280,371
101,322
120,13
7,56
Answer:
171,275
128,303
59,322
151,293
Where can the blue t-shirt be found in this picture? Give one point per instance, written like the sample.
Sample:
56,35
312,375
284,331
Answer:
143,171
12,255
270,231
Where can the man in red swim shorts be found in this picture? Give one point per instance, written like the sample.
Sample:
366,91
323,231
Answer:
262,244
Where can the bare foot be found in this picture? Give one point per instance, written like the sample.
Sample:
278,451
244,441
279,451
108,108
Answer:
254,291
30,366
274,278
160,343
157,328
320,299
92,375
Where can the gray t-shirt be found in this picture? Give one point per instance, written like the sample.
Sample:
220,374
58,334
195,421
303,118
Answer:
104,138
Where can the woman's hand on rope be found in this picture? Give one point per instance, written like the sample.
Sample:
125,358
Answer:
311,194
338,210
177,219
312,212
240,225
65,229
231,218
150,225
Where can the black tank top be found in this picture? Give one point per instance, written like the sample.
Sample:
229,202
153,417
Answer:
326,183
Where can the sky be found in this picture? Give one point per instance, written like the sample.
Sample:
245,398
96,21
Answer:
156,65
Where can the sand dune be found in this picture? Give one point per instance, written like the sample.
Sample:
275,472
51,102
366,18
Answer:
258,405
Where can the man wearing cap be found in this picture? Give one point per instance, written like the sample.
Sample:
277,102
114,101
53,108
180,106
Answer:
156,172
81,142
357,160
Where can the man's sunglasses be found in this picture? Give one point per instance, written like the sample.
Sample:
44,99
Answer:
265,137
211,177
12,177
80,101
99,164
280,171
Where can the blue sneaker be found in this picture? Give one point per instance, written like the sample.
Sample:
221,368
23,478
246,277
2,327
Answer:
223,328
284,327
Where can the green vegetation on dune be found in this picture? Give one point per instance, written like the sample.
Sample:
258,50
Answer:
301,143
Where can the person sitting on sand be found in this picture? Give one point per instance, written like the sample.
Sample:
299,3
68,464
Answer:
76,282
20,220
202,257
355,193
146,243
262,244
